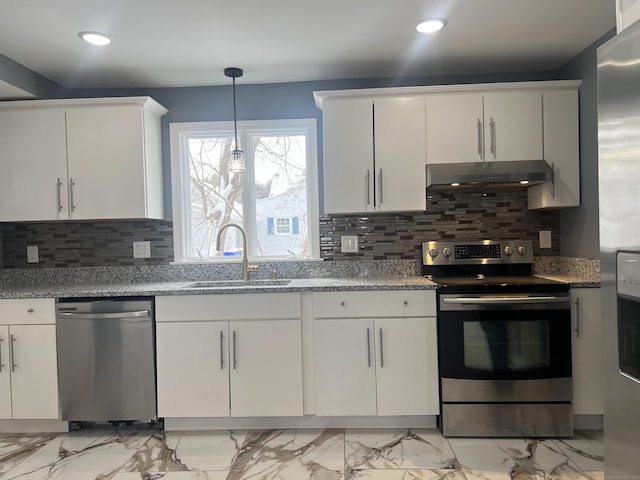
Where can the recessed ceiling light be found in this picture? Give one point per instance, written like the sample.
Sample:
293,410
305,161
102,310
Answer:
431,25
95,38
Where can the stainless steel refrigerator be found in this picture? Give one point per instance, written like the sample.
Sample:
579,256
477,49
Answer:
619,185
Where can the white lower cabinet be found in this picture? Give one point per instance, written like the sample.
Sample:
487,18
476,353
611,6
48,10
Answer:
588,374
229,355
375,366
28,360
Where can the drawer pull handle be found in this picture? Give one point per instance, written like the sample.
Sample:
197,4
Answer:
406,302
1,364
381,351
30,310
342,304
12,354
368,347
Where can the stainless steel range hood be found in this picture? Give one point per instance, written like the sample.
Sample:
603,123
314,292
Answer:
487,175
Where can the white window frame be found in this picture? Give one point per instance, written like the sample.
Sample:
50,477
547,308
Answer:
277,231
179,134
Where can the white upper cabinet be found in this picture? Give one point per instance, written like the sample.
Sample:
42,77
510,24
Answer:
478,127
513,126
95,159
455,128
561,151
374,154
33,165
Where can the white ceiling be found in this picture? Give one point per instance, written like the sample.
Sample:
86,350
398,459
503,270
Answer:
162,43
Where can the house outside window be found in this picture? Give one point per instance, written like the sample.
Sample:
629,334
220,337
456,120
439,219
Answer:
275,200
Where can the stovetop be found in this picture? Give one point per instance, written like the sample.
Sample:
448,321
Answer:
497,284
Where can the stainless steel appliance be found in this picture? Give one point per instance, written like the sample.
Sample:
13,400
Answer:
106,359
504,341
619,176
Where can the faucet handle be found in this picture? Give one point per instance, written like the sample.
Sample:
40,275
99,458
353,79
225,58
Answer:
252,268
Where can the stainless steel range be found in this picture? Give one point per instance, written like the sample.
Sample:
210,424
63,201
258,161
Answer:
504,341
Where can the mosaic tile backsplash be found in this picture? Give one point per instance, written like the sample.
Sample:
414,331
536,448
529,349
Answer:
467,215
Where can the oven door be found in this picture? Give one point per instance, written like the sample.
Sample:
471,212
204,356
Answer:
506,347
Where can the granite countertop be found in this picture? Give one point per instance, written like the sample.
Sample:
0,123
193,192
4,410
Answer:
576,281
185,288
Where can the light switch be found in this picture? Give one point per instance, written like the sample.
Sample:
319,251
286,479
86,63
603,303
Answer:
545,238
32,254
141,249
349,243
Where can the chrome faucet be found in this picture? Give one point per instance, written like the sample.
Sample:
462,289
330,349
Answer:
246,268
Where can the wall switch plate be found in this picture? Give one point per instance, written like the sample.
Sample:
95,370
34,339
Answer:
141,249
349,243
545,238
32,254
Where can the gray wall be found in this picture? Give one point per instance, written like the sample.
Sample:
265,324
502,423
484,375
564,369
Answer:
579,227
28,80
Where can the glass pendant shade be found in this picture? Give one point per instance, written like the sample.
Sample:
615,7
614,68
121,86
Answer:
237,162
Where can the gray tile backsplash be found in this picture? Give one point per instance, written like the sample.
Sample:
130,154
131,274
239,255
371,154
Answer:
467,215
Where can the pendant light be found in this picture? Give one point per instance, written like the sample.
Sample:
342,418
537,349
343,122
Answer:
237,162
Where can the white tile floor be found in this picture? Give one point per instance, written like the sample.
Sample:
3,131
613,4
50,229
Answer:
334,454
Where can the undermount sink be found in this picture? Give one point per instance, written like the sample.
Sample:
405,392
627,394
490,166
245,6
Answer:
236,283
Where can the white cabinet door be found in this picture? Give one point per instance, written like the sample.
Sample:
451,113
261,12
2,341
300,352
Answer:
33,165
513,126
192,369
344,361
34,373
400,154
266,368
5,374
454,128
561,150
588,375
407,366
105,151
347,126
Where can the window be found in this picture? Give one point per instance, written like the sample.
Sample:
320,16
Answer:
275,200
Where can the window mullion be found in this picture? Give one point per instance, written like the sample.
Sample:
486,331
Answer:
248,197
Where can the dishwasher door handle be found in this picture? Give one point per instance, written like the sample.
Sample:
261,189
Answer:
106,316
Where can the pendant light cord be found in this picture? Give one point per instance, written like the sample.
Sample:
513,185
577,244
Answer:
235,118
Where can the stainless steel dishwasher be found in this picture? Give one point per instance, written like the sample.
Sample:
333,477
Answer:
106,359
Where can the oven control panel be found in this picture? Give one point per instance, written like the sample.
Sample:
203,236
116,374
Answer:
484,252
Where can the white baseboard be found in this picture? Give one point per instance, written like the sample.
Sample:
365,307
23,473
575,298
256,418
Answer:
33,426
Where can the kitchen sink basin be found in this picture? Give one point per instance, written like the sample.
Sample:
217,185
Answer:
236,283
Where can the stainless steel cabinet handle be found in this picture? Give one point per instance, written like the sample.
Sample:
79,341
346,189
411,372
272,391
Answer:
71,185
235,359
12,354
59,195
577,303
502,300
380,183
479,138
381,351
102,316
1,364
366,188
221,350
368,347
492,125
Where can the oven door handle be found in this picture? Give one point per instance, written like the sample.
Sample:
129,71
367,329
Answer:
502,300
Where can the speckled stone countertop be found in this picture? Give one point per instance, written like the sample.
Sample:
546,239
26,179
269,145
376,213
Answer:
185,288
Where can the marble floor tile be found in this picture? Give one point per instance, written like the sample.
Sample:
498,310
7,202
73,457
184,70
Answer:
585,450
521,459
198,475
376,474
402,449
16,448
79,456
187,451
290,455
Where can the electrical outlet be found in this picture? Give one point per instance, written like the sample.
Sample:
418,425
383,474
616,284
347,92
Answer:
545,238
32,254
141,249
349,243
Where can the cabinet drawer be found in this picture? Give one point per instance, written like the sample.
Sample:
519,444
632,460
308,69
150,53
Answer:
249,306
27,311
399,303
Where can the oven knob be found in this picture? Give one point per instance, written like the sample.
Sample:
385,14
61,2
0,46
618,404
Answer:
522,250
508,251
433,252
446,251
